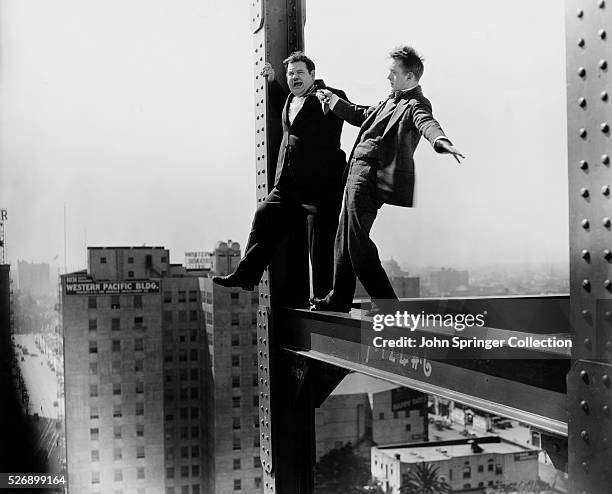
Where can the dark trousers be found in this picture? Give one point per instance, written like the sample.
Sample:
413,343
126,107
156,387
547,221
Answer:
356,254
271,224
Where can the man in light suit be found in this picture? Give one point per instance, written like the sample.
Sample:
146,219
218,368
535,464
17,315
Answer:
308,181
381,171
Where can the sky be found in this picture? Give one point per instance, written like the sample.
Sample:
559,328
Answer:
138,117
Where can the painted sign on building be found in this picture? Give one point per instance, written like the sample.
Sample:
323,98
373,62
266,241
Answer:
198,260
404,399
84,285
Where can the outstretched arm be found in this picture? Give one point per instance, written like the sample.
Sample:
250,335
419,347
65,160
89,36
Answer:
432,131
351,113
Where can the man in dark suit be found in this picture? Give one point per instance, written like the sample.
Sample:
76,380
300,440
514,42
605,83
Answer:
381,171
308,181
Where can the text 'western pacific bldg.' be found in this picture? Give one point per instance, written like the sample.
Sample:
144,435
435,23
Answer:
161,376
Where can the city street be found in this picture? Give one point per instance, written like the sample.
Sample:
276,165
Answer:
40,380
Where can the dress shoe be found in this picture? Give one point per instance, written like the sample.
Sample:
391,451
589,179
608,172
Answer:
322,304
234,281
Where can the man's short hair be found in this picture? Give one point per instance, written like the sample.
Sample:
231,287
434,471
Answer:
410,60
298,56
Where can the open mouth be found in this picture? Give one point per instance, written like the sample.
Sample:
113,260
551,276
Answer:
297,83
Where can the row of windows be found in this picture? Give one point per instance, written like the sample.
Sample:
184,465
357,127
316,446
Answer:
118,475
139,407
118,453
116,324
236,422
184,394
238,463
237,400
94,411
237,443
183,335
118,430
184,433
183,414
236,381
238,483
184,470
148,259
181,296
236,339
116,345
116,366
184,451
236,360
181,315
115,301
182,355
406,414
192,374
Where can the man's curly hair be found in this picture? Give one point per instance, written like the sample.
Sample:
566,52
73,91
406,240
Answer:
410,60
298,56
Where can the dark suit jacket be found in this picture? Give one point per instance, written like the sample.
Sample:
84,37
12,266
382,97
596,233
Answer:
411,118
310,161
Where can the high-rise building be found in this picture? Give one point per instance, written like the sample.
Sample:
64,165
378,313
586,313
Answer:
135,378
160,375
446,281
231,325
34,278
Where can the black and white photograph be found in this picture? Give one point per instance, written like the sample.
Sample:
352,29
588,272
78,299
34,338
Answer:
305,247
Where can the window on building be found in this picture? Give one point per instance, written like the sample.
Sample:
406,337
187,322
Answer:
253,338
195,432
116,389
235,422
95,477
237,464
140,473
256,462
490,466
235,320
499,470
95,455
209,317
480,468
93,346
193,315
381,416
255,421
236,443
115,324
138,301
182,316
235,340
193,335
195,470
257,481
138,365
116,410
185,471
235,401
194,373
139,430
467,472
183,355
170,472
138,344
235,360
130,260
237,484
256,441
194,393
138,322
139,387
184,452
193,295
184,432
408,427
116,345
130,274
94,433
93,390
93,367
167,297
117,432
167,316
94,412
193,355
254,319
139,408
115,302
116,366
255,400
103,260
182,296
140,452
163,259
117,454
235,381
92,302
234,298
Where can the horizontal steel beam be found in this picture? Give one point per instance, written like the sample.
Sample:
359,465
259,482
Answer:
528,385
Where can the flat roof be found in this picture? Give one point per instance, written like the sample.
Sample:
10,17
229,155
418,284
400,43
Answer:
441,452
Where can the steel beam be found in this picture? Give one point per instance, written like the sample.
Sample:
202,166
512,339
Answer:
589,116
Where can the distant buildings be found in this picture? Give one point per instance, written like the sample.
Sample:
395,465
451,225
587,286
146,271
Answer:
160,376
448,281
467,465
34,278
404,286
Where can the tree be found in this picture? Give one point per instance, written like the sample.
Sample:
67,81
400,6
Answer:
342,471
424,479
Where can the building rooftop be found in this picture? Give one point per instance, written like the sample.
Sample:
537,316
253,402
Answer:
444,450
